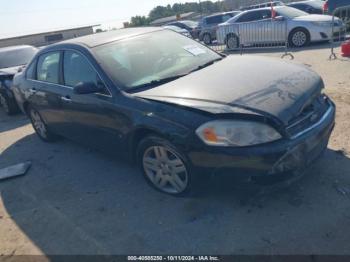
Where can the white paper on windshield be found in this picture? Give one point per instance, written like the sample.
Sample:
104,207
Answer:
194,50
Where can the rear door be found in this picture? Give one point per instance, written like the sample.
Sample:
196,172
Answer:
46,91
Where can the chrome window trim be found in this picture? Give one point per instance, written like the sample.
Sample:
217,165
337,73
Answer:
323,118
69,87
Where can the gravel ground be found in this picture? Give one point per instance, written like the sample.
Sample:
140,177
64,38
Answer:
78,201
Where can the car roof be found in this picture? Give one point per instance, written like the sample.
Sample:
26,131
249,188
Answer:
109,37
14,48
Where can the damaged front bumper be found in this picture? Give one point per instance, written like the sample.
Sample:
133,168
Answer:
280,157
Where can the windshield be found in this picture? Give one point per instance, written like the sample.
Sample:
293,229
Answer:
152,57
290,12
16,57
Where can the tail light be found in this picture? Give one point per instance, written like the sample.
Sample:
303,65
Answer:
325,7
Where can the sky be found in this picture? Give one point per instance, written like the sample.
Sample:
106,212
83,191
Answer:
21,17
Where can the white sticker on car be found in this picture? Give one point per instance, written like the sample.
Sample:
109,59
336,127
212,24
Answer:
194,50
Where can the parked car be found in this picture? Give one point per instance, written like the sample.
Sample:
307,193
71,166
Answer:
262,5
12,59
178,30
309,6
176,107
210,23
331,5
257,27
190,26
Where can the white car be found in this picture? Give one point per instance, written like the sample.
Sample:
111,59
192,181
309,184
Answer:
258,27
178,30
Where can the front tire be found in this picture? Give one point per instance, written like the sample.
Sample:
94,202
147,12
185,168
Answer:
164,167
299,37
40,127
232,42
207,39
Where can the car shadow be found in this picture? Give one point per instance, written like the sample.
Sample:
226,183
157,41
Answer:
8,123
75,200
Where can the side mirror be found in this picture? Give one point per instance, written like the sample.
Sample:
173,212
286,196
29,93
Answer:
279,18
84,88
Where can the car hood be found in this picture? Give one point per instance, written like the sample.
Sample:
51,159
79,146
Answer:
9,71
314,18
265,86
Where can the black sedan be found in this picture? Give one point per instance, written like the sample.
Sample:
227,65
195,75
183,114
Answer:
12,59
177,108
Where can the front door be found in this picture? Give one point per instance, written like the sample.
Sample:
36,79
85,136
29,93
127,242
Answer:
94,118
46,92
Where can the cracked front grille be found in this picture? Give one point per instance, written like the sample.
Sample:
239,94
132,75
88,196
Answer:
309,116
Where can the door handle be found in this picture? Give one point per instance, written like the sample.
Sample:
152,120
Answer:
66,98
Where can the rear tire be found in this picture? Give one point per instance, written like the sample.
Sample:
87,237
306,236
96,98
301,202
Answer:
207,39
40,127
299,37
10,107
164,167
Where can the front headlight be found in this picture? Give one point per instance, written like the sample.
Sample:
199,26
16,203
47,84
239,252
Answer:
236,133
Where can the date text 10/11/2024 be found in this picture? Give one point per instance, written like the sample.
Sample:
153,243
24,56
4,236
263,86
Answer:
173,258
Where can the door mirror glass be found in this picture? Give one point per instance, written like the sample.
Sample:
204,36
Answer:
279,18
84,88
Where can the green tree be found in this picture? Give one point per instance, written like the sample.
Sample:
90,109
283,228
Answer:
139,21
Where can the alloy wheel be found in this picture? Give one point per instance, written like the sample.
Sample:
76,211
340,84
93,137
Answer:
232,42
299,39
38,124
165,170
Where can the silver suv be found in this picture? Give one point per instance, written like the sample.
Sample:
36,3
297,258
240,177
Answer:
210,23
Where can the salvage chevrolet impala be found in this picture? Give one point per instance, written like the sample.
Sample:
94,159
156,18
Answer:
177,108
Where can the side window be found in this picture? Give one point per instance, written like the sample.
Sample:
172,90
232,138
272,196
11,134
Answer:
250,16
30,71
77,69
214,20
48,68
266,14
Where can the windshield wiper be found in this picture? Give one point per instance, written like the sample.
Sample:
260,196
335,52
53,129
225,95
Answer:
206,64
157,82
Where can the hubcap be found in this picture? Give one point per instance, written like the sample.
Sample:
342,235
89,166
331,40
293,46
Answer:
299,38
232,43
3,102
165,169
38,124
